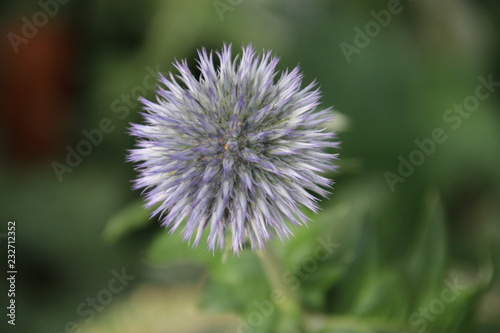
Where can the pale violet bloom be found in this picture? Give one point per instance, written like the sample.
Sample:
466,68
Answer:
238,150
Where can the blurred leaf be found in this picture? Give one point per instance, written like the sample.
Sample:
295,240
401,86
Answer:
428,258
238,280
340,225
458,313
132,217
171,247
307,263
383,296
371,289
238,284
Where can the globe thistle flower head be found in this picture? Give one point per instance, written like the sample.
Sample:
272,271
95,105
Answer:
237,150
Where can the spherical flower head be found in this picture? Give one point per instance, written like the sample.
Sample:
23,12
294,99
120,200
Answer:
236,150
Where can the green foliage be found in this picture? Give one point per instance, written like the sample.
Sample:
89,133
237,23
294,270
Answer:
336,268
127,220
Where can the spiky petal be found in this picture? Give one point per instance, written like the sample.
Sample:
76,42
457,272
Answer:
236,149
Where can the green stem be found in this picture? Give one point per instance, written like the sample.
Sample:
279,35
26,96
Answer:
287,301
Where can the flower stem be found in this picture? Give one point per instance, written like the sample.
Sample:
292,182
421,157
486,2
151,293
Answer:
285,299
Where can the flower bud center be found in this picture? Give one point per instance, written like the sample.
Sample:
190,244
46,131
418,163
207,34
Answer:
231,145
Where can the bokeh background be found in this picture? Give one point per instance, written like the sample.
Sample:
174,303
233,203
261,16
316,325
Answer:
74,69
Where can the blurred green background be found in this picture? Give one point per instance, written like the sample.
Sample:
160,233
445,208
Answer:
69,68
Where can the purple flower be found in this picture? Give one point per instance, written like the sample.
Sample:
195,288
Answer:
238,149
